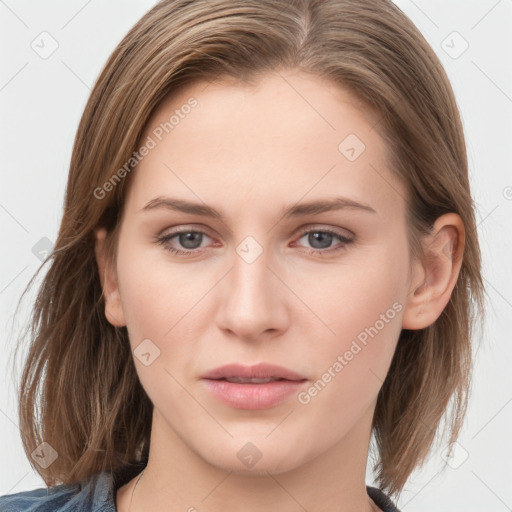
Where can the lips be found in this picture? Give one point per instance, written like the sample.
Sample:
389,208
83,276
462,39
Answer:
240,373
261,386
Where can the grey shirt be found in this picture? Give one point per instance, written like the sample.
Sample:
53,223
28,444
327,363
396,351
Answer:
97,494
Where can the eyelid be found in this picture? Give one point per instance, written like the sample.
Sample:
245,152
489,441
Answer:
185,228
343,232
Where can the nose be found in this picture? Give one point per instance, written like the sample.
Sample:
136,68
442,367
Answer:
252,300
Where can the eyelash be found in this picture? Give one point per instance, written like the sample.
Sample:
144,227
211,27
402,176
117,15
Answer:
162,240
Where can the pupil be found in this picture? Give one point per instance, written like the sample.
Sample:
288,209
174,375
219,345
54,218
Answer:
187,239
324,238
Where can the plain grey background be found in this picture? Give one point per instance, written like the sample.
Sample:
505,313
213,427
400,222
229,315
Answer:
51,54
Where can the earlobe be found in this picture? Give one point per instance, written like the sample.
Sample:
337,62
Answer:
108,279
435,279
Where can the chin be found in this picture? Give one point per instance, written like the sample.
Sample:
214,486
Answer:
269,459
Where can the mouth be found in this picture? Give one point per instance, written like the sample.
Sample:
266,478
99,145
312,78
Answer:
244,380
261,371
261,386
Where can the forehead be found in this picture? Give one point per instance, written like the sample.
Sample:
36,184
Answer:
287,136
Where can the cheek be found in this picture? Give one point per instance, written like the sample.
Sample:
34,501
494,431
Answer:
156,294
353,296
351,354
362,305
169,304
159,302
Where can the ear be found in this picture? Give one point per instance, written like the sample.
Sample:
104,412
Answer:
433,281
108,278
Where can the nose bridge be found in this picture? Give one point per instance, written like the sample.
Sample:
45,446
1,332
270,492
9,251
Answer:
250,274
251,302
250,277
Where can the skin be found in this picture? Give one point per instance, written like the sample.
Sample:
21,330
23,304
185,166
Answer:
250,152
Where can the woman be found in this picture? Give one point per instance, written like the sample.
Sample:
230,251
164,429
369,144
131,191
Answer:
268,257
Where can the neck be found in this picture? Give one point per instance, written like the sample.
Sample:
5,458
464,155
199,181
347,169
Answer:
177,478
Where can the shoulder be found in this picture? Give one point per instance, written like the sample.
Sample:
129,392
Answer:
88,495
42,499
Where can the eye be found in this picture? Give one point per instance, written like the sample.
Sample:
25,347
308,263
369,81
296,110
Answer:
321,240
187,238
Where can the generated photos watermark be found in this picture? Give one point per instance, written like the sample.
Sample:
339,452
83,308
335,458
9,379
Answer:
357,345
150,143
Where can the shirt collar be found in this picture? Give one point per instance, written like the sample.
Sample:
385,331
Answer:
102,487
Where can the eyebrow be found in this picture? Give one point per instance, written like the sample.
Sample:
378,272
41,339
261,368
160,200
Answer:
296,210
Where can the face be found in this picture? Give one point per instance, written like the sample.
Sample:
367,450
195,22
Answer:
270,277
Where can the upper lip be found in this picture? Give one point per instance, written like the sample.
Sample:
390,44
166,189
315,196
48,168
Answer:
258,371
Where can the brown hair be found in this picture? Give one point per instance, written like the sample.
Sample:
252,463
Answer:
79,390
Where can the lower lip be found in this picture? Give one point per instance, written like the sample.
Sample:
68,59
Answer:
252,396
